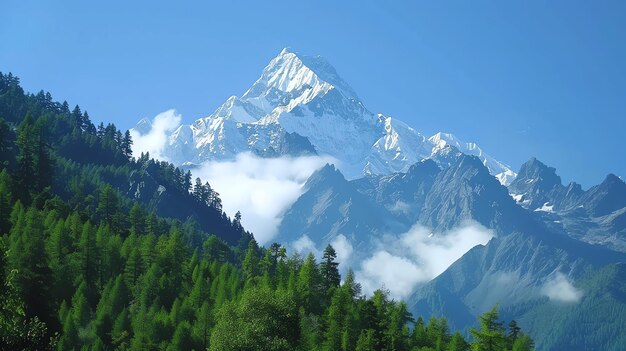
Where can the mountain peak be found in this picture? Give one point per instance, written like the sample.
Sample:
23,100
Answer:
502,171
291,72
284,51
535,169
328,174
612,179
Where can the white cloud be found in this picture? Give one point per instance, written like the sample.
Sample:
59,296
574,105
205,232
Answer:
418,256
343,248
436,252
304,245
261,188
155,140
383,270
560,289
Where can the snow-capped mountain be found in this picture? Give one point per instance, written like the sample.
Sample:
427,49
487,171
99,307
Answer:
300,105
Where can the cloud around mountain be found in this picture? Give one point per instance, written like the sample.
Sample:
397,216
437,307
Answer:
154,139
418,256
560,289
261,188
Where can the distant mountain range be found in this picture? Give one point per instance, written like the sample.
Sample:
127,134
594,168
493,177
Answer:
556,259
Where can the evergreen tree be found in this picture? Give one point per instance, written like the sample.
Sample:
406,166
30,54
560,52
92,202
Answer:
457,343
187,181
28,257
513,333
5,202
490,336
523,343
127,145
17,332
309,285
366,341
26,159
329,270
89,261
108,205
262,320
251,262
137,221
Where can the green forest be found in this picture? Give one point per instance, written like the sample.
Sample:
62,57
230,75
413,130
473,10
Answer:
101,249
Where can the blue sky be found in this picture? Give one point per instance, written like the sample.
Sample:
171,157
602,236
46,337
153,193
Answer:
522,79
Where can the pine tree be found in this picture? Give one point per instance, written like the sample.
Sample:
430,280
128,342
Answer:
26,171
419,338
513,333
5,202
251,262
366,341
215,249
17,332
237,220
89,261
457,343
262,320
198,190
490,336
182,337
29,258
523,343
108,205
329,269
120,333
202,327
80,311
77,117
44,161
136,218
187,181
337,312
133,267
127,145
87,126
309,286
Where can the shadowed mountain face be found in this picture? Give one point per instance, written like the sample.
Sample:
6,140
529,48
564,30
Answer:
365,209
531,267
597,215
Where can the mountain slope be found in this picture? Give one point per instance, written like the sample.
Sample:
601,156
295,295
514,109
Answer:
514,269
84,158
330,207
514,272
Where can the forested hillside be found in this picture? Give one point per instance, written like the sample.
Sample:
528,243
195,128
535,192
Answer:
103,251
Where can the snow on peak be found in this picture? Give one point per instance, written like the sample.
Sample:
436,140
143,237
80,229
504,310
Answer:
305,95
502,171
291,73
238,110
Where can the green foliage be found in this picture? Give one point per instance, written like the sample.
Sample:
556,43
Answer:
490,336
329,270
262,320
17,331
